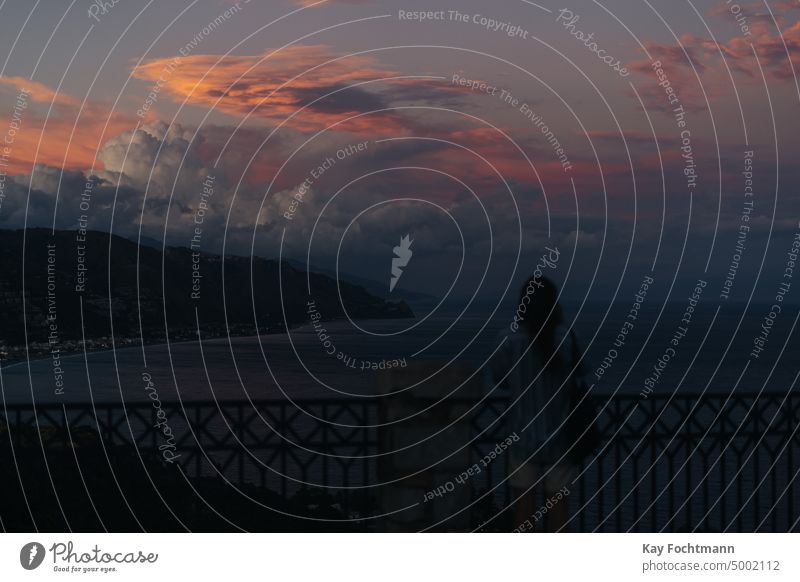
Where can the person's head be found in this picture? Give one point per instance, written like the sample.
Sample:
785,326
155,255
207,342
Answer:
540,312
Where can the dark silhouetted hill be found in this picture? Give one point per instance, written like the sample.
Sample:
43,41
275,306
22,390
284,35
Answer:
115,283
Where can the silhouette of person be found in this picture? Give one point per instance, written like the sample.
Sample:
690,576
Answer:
534,362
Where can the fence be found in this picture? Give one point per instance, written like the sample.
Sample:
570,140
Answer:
675,463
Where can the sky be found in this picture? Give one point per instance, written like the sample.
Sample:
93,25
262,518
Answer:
491,137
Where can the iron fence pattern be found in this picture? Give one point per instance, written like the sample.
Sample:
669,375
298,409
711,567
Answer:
681,462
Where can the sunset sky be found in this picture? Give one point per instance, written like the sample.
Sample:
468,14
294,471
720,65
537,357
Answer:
150,98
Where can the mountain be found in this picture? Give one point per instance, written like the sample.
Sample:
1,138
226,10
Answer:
115,282
418,301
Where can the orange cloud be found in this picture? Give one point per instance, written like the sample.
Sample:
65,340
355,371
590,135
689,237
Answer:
70,137
39,92
265,87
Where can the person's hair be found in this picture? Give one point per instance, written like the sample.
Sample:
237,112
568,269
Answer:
542,314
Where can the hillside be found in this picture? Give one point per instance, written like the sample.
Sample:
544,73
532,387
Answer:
60,272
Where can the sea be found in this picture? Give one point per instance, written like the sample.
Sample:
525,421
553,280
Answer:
712,350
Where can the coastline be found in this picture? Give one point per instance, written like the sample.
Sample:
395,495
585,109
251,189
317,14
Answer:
181,339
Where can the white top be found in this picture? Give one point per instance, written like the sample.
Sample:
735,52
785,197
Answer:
539,402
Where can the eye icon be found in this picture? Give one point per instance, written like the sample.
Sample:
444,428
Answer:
31,555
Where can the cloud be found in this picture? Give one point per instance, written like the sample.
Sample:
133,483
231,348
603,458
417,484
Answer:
264,87
677,61
39,92
746,14
152,158
764,40
778,61
635,136
68,137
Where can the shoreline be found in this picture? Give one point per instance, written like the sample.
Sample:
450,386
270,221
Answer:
130,343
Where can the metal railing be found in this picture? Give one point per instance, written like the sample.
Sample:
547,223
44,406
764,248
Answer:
675,463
